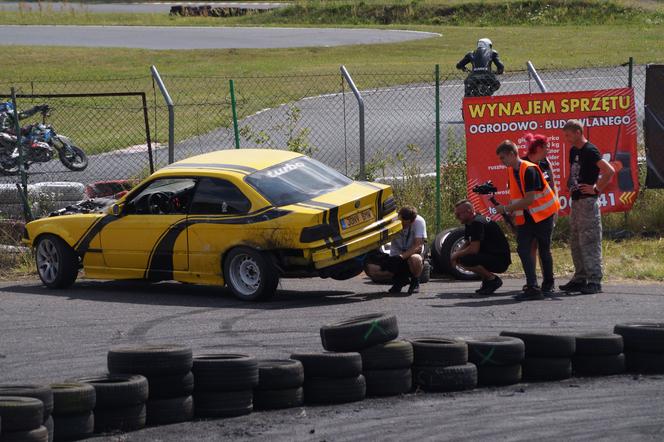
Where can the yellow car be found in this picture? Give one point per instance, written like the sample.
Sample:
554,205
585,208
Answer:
244,218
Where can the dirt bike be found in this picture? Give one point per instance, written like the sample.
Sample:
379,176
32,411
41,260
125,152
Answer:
40,143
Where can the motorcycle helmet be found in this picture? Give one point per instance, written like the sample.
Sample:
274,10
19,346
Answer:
484,43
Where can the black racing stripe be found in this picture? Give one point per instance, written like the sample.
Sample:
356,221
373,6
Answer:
84,243
379,204
161,262
212,166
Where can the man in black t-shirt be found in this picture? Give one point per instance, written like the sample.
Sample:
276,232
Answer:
589,176
486,252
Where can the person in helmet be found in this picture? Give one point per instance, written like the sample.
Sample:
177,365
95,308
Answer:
482,81
7,115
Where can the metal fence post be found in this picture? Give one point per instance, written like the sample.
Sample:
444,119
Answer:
231,85
360,103
27,214
171,113
438,148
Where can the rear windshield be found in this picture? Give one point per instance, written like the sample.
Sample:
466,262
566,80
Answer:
296,180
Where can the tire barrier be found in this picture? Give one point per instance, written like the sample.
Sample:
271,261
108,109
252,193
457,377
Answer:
167,369
225,385
280,384
73,405
598,354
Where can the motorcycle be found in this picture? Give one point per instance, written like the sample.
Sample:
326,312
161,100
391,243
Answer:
40,143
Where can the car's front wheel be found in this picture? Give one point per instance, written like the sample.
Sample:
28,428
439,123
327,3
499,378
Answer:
250,274
57,263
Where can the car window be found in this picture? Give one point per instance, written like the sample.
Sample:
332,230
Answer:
165,196
218,197
296,180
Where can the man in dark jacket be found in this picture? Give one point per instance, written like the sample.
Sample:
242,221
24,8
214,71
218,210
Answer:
481,81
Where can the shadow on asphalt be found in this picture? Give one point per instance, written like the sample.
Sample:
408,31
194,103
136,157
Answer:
189,295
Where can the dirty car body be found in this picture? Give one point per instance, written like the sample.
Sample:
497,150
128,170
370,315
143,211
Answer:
244,218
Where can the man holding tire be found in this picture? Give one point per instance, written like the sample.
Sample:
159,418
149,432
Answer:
486,251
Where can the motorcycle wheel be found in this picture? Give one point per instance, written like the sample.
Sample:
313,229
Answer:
73,157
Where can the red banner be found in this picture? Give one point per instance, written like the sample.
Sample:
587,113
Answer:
609,117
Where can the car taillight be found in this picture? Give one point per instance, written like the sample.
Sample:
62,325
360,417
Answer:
389,205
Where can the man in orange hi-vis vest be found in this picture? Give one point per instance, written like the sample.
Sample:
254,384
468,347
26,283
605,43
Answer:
533,205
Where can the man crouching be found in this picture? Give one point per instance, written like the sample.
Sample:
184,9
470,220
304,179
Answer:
406,261
486,252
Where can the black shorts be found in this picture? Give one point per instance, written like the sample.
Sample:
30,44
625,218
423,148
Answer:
493,263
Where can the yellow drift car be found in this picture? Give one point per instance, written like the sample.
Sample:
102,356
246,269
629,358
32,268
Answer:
243,218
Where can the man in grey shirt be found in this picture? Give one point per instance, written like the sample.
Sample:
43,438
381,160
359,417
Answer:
406,260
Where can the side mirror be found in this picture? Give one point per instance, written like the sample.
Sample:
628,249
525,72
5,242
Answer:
115,209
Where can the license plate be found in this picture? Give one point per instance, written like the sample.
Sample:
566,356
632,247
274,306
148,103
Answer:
357,218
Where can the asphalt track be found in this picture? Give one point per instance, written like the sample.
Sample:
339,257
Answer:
129,8
190,37
49,336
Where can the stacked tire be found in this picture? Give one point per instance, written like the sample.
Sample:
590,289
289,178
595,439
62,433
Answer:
224,384
119,401
167,369
547,357
73,405
598,354
332,378
441,364
387,368
40,392
498,359
280,384
22,419
644,346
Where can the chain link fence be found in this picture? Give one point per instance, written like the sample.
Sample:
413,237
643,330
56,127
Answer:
313,114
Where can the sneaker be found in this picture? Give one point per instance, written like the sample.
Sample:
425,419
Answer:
490,286
591,288
572,286
414,286
479,290
532,293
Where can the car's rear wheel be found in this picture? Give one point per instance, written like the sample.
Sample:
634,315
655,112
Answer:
57,263
250,274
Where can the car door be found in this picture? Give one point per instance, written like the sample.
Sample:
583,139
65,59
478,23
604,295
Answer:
149,234
217,220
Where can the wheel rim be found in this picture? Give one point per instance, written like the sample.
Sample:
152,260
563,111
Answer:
458,245
245,274
48,261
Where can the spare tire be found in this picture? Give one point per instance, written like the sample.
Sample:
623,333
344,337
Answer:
73,398
20,413
439,352
330,365
495,351
118,390
599,344
646,337
279,374
541,345
359,332
41,392
224,372
150,360
389,355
